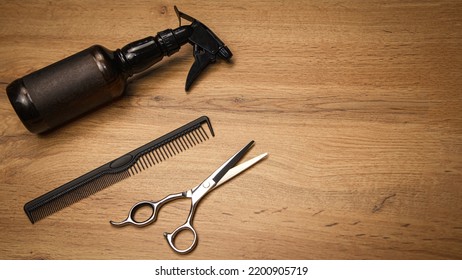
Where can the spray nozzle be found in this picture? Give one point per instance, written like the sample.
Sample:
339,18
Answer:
206,47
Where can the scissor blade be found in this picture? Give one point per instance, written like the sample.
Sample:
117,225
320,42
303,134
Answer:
230,163
233,172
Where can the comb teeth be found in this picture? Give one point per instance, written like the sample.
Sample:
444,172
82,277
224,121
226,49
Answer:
169,149
119,169
53,205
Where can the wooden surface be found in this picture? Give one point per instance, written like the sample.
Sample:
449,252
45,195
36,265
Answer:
358,103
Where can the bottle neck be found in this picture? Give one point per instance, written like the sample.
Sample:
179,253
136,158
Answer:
142,54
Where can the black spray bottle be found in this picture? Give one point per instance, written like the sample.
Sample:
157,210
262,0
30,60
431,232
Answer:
58,93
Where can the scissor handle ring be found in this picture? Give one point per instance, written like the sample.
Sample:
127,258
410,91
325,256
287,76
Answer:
131,215
138,206
155,207
172,236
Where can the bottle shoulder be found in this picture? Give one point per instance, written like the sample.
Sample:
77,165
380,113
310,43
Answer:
106,62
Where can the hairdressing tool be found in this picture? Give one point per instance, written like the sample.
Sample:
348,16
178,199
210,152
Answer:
119,169
58,93
220,176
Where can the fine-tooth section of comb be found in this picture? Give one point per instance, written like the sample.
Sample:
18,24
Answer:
128,165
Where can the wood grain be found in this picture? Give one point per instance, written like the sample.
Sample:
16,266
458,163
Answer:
358,104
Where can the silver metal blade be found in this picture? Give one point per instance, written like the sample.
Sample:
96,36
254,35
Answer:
240,168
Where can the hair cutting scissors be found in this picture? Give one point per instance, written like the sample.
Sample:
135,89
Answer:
224,173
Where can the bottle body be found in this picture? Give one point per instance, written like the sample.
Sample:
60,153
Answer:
66,89
60,92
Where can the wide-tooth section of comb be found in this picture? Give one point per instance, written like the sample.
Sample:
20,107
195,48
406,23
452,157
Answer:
157,154
119,169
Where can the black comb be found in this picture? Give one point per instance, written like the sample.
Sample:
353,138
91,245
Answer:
121,168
